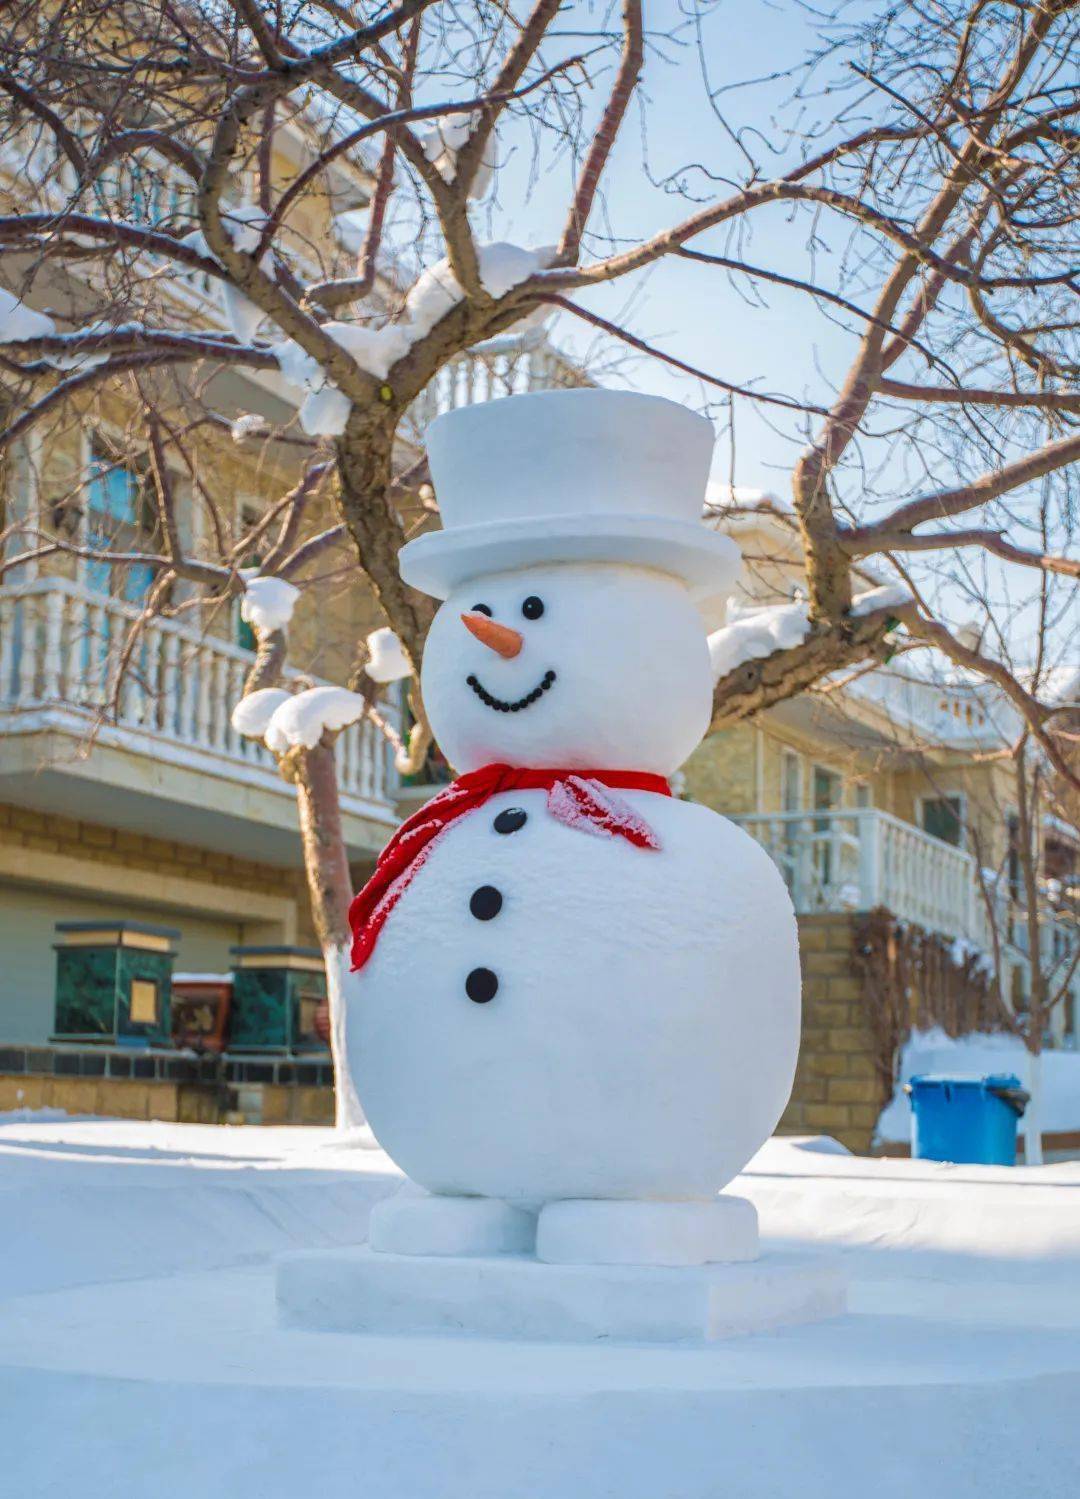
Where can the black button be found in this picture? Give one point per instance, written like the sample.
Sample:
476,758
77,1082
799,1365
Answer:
481,985
485,902
511,819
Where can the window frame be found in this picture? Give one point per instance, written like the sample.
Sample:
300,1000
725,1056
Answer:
962,814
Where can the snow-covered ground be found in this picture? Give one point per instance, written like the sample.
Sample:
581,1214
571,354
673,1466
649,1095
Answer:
139,1353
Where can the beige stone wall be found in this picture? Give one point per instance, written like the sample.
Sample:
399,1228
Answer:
45,832
837,1089
185,1103
740,769
54,868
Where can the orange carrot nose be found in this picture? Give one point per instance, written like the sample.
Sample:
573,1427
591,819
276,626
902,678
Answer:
499,638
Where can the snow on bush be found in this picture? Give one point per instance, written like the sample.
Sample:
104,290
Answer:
303,719
387,661
267,603
252,713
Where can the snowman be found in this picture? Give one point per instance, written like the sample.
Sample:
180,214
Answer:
574,1015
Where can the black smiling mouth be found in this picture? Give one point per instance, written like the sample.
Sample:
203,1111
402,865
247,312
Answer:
523,702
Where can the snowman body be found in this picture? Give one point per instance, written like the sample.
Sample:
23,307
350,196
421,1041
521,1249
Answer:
550,1011
641,1039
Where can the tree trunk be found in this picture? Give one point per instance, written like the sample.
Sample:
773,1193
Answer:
1033,1151
331,891
1027,835
365,458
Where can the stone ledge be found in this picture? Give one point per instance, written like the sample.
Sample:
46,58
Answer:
514,1296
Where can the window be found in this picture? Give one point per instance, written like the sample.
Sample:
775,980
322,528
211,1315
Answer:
864,795
943,817
249,519
119,518
826,792
827,789
790,781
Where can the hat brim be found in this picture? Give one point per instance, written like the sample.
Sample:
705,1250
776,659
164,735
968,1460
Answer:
439,561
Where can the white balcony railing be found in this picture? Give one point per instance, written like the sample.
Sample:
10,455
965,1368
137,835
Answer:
507,366
60,648
864,858
858,859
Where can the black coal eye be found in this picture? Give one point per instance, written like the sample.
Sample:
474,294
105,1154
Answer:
483,609
533,607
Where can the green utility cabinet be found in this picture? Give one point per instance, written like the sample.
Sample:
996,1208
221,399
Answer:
113,982
276,993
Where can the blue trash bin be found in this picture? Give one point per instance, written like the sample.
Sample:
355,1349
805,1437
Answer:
967,1119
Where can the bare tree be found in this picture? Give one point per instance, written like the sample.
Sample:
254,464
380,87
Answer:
951,157
938,143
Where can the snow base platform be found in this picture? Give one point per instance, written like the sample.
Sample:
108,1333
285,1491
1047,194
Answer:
518,1296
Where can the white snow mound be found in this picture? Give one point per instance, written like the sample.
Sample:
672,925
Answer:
303,719
751,634
19,322
502,267
981,1054
267,603
442,144
887,596
252,714
326,408
387,661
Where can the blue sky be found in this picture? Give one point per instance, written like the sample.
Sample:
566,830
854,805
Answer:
788,346
690,310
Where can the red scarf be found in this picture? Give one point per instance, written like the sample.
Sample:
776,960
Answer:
576,797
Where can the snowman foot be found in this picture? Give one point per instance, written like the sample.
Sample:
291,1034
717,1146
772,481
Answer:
437,1225
614,1232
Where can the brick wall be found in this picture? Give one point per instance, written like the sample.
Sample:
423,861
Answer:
87,840
186,1103
837,1088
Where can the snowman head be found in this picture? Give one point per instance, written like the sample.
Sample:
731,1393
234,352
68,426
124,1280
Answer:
581,666
572,560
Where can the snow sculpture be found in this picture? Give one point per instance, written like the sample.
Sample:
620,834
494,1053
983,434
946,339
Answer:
575,1015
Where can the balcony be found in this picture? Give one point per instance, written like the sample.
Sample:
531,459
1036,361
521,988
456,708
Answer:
170,762
858,859
512,365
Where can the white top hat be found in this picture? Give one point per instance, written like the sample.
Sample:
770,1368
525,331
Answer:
570,476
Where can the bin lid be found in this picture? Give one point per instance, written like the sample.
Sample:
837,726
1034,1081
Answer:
991,1080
